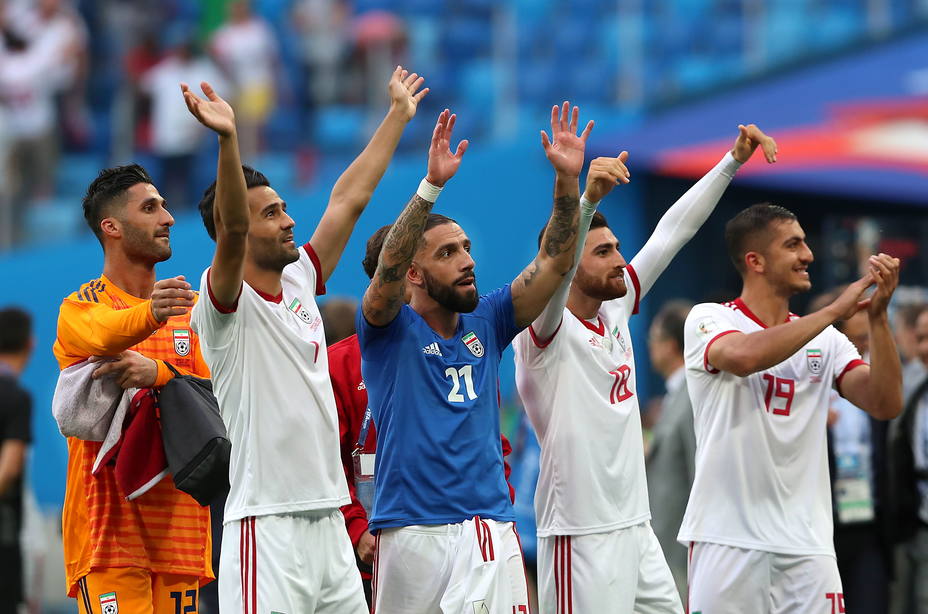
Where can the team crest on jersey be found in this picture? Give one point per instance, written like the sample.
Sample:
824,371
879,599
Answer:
181,341
108,603
814,358
297,307
473,344
480,607
706,326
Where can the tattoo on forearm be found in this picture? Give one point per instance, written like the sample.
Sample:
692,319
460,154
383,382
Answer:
399,248
562,226
528,275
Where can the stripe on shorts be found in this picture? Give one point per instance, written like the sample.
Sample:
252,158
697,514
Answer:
563,581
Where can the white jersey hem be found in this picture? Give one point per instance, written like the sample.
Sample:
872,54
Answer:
603,528
286,508
686,539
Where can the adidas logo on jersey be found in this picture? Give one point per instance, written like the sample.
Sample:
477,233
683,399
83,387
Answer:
432,349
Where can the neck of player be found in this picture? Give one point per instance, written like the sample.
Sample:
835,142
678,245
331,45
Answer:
581,304
443,321
135,277
770,306
265,280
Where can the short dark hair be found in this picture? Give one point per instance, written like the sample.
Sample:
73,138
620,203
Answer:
598,221
670,320
437,219
15,330
253,179
744,228
372,253
110,186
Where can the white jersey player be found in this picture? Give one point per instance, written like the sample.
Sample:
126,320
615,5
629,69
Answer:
575,374
759,518
284,547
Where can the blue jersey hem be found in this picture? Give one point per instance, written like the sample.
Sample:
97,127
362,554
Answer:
377,525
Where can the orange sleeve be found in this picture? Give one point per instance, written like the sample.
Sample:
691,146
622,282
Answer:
199,369
96,329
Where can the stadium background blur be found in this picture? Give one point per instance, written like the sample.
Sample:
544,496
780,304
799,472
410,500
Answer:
841,84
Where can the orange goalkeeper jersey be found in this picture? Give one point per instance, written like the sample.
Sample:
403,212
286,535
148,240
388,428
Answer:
164,530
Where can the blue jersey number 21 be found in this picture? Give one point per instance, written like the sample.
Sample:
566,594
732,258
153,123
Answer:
456,375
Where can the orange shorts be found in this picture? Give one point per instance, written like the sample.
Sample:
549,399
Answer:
131,590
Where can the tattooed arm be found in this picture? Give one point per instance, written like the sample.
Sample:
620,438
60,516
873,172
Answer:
384,296
533,288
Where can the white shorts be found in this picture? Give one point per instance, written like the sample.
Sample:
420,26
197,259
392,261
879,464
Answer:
729,580
472,567
621,572
289,563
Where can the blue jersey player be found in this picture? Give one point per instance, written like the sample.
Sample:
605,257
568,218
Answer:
444,522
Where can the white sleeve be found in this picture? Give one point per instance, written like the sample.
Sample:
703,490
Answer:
214,324
681,222
705,323
549,320
846,356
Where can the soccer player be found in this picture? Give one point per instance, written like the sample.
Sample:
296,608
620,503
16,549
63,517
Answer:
284,545
357,434
575,374
442,513
759,518
151,554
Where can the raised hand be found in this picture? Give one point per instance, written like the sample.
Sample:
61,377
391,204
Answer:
851,300
565,149
604,174
749,138
403,96
885,271
171,297
213,112
442,163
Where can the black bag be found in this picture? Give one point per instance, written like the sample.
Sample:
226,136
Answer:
196,443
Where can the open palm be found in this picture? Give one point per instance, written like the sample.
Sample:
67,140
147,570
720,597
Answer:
213,112
565,149
404,91
442,163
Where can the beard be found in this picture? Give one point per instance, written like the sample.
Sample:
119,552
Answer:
598,288
140,245
449,296
272,254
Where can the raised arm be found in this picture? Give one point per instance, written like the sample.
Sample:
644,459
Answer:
384,296
687,215
230,208
354,188
604,174
744,354
877,388
535,285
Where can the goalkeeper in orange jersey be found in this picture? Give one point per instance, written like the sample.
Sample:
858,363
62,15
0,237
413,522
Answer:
149,555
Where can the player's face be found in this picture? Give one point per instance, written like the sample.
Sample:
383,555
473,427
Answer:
145,224
921,337
270,232
601,274
446,268
787,258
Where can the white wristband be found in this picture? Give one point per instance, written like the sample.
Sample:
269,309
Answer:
427,191
587,205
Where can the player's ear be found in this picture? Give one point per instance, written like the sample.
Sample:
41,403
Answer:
110,227
754,261
414,276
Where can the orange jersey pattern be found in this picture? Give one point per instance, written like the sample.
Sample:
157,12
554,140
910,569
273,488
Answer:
164,530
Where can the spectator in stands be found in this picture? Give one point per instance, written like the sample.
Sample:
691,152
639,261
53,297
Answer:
176,136
913,370
909,452
670,459
16,345
246,49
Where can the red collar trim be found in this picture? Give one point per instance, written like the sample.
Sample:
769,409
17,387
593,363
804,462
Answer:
744,309
599,330
270,297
